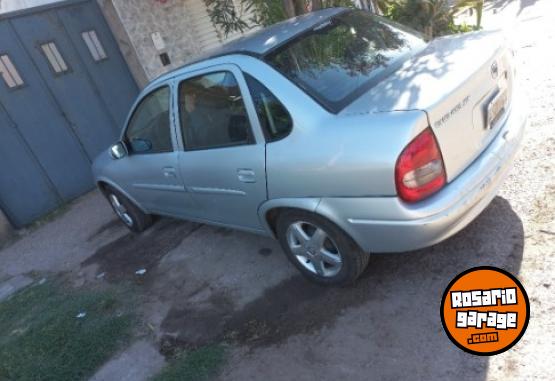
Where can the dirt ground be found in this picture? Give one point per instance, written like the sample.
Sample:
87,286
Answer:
208,285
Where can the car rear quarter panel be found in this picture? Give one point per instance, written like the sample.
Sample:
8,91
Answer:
341,155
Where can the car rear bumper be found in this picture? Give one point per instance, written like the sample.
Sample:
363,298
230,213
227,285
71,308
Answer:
387,224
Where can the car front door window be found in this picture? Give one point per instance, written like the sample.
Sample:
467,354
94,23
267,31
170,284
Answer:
149,129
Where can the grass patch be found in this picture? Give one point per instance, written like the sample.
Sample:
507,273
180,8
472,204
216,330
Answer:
42,339
198,365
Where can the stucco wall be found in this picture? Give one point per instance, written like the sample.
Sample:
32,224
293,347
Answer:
142,18
124,42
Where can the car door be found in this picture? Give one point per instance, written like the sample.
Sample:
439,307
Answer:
149,172
223,161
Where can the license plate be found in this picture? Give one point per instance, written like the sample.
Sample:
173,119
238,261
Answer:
496,108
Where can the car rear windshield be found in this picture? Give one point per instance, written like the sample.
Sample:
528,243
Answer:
338,60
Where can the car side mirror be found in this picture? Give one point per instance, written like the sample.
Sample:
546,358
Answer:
118,151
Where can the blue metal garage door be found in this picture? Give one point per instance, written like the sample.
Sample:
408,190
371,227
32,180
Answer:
64,93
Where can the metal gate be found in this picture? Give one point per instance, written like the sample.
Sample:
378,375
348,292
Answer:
64,93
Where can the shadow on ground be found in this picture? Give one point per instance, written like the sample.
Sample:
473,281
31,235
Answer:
397,298
395,304
121,258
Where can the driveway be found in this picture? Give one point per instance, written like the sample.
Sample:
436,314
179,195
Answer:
206,285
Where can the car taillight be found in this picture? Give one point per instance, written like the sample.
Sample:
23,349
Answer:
419,171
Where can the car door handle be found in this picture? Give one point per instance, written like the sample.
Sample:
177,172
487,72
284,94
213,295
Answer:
169,172
246,175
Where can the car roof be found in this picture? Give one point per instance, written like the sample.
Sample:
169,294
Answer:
260,42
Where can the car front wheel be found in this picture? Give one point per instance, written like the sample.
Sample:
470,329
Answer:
319,249
127,212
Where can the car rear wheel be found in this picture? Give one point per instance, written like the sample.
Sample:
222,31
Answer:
319,249
134,218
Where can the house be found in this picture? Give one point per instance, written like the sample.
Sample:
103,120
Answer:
164,34
69,73
160,35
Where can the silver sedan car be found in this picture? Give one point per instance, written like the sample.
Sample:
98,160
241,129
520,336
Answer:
338,133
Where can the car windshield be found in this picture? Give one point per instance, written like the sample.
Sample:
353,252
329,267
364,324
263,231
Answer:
338,60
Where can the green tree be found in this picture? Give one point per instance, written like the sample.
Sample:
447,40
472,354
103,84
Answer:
240,15
431,17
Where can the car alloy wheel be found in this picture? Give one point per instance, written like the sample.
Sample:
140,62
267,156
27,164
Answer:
314,249
120,210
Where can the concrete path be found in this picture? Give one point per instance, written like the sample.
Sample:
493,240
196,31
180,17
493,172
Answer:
124,367
64,243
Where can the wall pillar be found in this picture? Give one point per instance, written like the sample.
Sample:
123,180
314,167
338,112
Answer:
124,42
6,230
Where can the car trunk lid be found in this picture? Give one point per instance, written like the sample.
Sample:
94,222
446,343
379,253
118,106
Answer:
463,83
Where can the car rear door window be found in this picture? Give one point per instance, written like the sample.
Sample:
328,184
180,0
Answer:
274,118
149,129
213,113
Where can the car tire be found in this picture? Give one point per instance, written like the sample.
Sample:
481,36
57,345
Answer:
331,260
129,214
